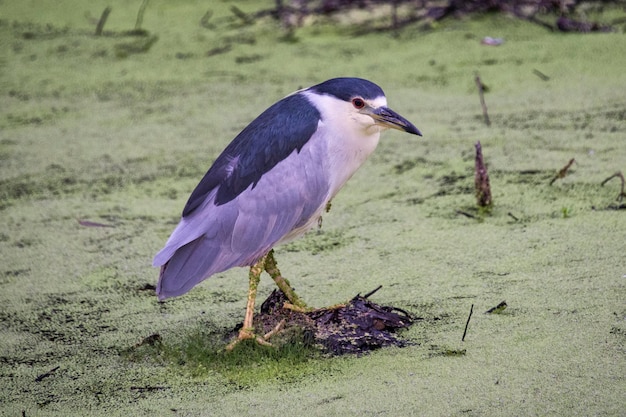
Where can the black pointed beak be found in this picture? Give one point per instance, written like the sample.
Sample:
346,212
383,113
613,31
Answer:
384,116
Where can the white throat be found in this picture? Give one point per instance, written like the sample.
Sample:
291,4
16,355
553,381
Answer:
350,137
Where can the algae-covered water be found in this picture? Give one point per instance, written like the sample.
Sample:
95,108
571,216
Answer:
103,138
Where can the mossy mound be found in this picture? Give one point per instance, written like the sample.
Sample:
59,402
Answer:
356,327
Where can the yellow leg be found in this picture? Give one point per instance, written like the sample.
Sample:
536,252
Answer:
247,331
268,264
271,268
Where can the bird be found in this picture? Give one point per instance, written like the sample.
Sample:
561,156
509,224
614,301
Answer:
271,185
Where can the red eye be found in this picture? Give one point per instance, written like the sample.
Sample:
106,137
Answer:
358,103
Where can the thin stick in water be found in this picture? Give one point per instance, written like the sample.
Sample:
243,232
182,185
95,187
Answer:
467,323
563,172
103,19
481,89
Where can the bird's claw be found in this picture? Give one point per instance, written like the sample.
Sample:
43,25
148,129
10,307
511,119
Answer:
275,330
248,333
297,308
305,309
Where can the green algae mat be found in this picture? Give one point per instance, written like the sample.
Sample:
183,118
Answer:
102,138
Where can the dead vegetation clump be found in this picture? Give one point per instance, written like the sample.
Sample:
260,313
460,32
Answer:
356,327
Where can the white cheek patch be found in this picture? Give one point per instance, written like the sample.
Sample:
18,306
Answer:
377,102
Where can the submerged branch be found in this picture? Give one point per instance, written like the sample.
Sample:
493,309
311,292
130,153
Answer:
563,171
619,175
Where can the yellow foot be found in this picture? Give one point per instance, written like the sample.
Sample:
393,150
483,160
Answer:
248,333
297,309
334,307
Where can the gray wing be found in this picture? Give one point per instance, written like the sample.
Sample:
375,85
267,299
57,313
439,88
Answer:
214,238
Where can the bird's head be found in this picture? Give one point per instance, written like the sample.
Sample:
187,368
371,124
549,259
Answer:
359,103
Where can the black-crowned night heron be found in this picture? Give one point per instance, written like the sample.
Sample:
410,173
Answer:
272,183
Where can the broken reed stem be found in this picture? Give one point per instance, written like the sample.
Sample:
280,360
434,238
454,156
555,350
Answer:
563,172
619,175
103,19
481,94
46,374
467,322
374,291
481,180
140,13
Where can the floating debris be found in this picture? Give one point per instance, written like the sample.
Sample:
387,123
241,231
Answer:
489,41
89,223
497,309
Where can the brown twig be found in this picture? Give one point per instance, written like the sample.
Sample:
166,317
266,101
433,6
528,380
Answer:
481,88
481,180
563,172
541,75
618,174
467,322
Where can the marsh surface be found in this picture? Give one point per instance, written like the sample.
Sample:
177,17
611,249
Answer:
103,138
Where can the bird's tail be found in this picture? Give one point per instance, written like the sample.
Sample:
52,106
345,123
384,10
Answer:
190,265
195,262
